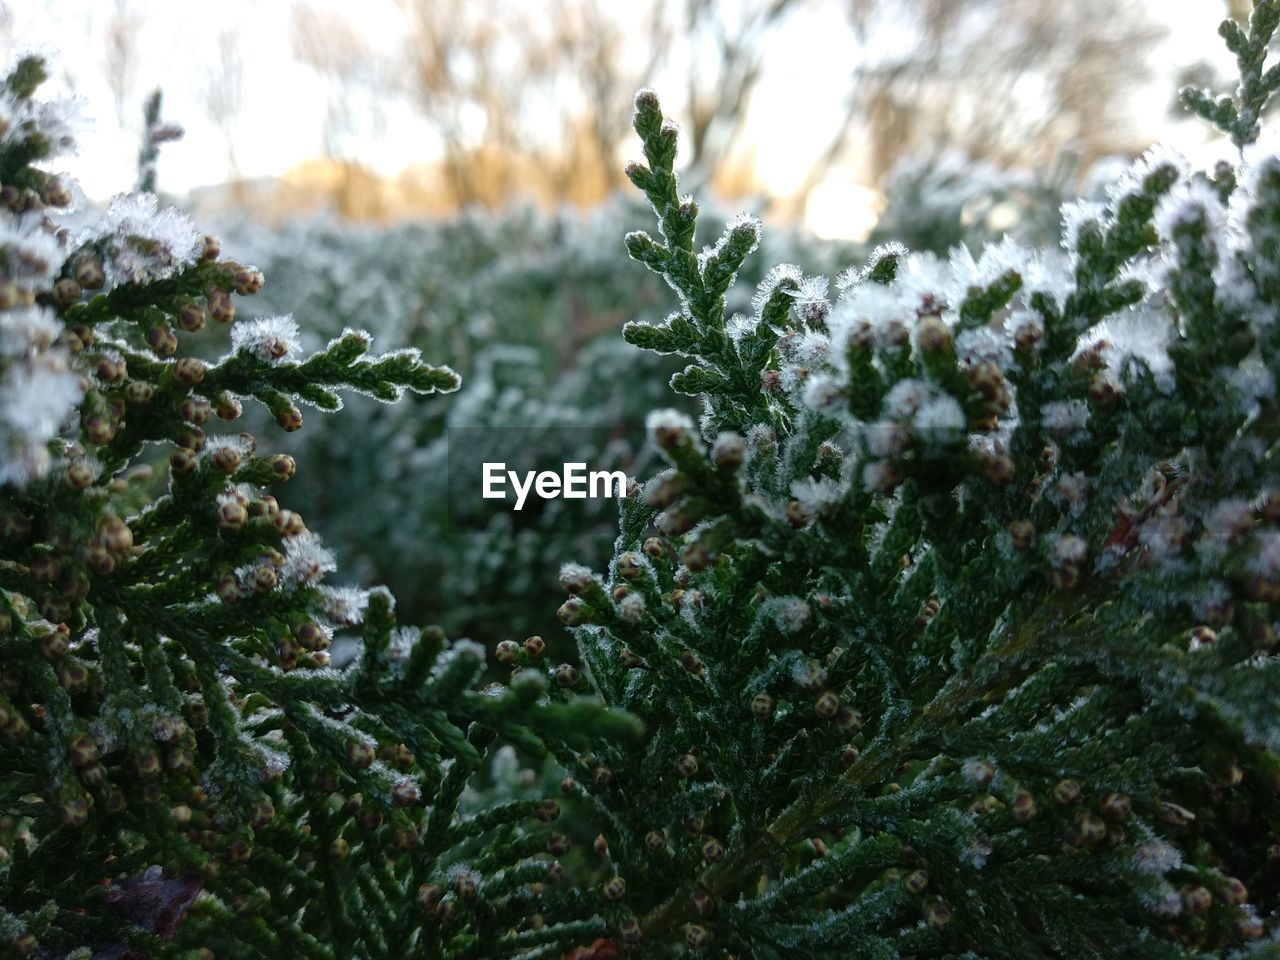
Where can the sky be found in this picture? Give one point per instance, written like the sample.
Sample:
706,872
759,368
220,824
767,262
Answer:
281,114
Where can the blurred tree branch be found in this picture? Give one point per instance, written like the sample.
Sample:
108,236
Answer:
1010,81
223,96
535,99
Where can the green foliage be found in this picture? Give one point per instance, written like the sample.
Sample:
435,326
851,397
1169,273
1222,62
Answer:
527,307
952,623
949,631
184,772
1239,115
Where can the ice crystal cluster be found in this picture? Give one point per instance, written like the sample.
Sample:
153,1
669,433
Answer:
38,389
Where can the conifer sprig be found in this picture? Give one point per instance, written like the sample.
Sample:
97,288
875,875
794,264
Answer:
186,771
957,601
1239,115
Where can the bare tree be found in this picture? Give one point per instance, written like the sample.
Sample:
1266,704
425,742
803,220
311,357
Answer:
120,59
1002,80
724,65
550,88
222,95
7,19
535,98
357,79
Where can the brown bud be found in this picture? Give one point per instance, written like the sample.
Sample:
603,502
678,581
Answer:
654,548
228,589
629,931
937,915
99,430
360,754
1115,807
83,751
66,292
139,393
79,475
827,705
1024,806
1066,792
232,516
999,469
75,812
1234,891
192,317
405,793
221,309
428,896
1196,899
916,882
1022,533
227,407
932,335
189,371
547,810
162,341
289,419
465,886
226,460
248,280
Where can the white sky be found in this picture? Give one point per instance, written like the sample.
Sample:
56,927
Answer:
282,116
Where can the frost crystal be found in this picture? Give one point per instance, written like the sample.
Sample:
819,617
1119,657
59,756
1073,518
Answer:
38,393
811,304
1067,417
1191,203
306,560
939,418
140,242
345,606
906,398
1157,858
789,614
1075,215
784,274
816,494
269,338
632,608
1141,334
670,428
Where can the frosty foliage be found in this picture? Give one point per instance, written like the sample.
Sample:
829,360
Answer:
173,723
986,608
527,306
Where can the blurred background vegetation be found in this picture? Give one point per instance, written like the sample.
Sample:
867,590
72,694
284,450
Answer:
447,174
